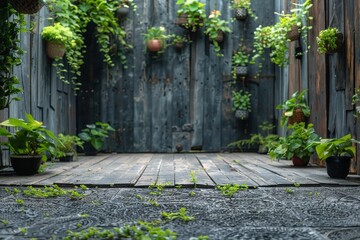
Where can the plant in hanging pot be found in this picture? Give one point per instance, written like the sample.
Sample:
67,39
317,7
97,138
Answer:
155,39
191,14
295,109
94,136
29,144
124,8
241,101
57,39
329,41
27,6
240,61
242,8
67,149
338,153
215,29
356,102
298,145
179,41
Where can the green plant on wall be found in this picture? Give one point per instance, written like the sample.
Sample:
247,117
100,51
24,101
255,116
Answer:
57,33
10,54
327,40
356,101
236,4
194,12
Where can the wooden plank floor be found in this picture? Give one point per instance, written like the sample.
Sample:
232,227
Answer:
141,170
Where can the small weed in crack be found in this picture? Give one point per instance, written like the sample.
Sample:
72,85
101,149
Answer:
181,215
229,190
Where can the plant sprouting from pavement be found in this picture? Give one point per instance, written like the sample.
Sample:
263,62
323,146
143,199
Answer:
230,189
159,187
193,178
181,215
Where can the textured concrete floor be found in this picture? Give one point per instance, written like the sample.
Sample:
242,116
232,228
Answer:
263,213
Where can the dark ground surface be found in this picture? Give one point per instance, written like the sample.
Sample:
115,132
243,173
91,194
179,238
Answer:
263,213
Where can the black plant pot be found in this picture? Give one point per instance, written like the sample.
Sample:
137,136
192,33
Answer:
25,165
338,167
68,158
89,150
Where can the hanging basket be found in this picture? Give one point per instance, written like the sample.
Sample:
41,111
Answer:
122,12
241,70
339,43
241,114
27,6
294,33
240,14
297,117
154,45
55,50
182,20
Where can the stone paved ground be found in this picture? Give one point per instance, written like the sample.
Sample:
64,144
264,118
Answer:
263,213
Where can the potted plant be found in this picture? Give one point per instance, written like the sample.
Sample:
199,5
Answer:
240,61
191,14
215,29
242,8
94,136
67,149
298,146
179,41
356,101
29,144
155,39
329,41
27,6
337,152
241,104
124,8
295,109
57,39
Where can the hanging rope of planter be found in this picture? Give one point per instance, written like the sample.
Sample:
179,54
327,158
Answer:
27,6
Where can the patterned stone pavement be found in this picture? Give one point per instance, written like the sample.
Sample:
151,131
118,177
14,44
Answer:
262,213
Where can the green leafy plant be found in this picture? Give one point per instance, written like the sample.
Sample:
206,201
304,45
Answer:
194,11
356,102
30,137
193,178
181,215
299,143
68,145
289,190
338,147
235,4
10,54
229,190
179,41
241,58
96,134
127,4
159,187
58,34
157,33
215,26
241,100
297,101
327,40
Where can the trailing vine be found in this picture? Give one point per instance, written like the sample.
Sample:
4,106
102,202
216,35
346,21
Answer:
10,53
77,15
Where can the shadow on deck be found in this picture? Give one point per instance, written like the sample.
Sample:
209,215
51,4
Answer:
209,170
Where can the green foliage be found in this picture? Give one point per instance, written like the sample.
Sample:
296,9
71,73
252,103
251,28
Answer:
19,201
127,4
51,192
181,215
336,147
327,40
299,143
29,137
96,134
157,33
241,100
297,101
195,13
214,25
158,187
68,145
193,178
356,101
10,54
57,33
289,190
229,190
235,4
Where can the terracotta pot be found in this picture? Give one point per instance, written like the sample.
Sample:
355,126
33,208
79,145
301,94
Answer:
294,33
27,6
298,162
54,50
297,117
338,167
154,45
240,14
25,165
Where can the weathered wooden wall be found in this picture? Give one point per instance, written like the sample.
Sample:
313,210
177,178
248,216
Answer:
45,97
150,103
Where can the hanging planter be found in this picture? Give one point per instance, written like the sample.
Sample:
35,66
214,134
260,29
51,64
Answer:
294,33
242,114
240,14
329,41
220,36
56,36
297,117
182,20
55,50
27,6
241,70
122,11
154,45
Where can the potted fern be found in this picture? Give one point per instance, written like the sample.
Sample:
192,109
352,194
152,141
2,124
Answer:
57,39
241,104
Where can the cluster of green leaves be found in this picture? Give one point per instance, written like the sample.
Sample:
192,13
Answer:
229,190
356,101
241,100
96,134
68,144
235,4
213,26
193,178
275,37
10,53
239,58
327,40
336,147
158,187
128,4
181,215
297,101
194,11
76,15
299,143
57,33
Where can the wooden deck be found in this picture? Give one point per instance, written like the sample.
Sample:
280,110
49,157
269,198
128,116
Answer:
141,170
